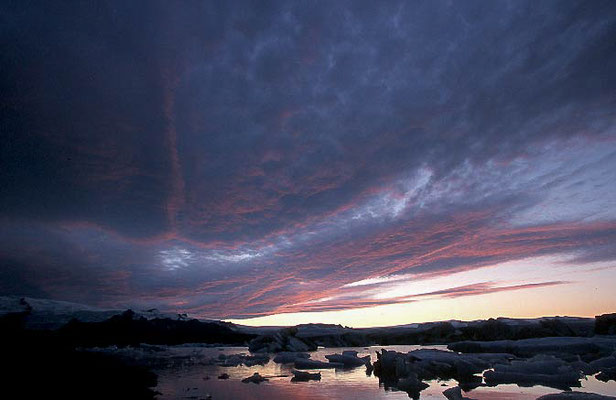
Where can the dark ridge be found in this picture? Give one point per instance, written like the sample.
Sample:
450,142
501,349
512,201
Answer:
605,324
127,329
488,330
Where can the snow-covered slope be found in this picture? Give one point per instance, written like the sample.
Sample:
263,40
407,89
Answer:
53,314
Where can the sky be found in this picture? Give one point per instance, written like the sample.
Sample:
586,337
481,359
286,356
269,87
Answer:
274,163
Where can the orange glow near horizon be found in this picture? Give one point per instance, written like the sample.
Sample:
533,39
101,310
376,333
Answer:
591,295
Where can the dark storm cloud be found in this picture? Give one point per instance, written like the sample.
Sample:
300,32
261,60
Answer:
383,90
227,155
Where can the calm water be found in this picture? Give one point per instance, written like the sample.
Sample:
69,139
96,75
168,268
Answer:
187,382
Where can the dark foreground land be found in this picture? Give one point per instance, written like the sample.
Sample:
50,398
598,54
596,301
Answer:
60,349
47,349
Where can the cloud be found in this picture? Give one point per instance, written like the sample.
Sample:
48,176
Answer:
354,302
485,288
249,158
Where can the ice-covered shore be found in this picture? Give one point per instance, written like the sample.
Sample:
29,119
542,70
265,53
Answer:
411,371
559,363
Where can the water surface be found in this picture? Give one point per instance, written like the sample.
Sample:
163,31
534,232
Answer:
195,381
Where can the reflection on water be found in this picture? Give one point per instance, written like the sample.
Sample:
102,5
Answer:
197,381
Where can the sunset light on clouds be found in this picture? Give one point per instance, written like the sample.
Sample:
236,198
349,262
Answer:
275,163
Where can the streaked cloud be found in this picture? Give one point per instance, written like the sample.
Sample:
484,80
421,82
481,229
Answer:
254,159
